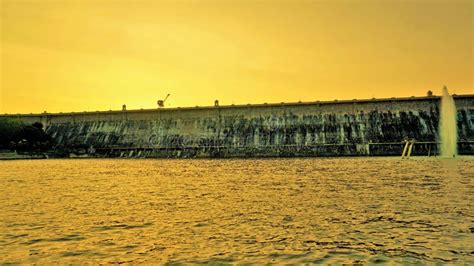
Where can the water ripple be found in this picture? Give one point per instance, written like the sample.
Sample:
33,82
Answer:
284,211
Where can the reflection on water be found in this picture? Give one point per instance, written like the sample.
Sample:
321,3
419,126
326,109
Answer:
240,211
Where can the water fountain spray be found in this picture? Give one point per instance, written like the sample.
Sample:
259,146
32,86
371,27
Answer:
447,126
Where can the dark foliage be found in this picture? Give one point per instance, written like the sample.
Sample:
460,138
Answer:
19,136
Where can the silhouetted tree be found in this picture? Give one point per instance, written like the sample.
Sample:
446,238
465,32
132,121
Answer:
15,134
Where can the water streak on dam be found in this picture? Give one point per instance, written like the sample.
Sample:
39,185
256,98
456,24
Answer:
332,128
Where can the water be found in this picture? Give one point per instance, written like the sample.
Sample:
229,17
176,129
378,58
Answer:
369,210
447,126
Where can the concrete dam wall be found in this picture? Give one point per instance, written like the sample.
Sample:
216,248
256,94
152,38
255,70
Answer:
336,128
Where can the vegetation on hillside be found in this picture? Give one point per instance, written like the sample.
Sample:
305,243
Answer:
16,135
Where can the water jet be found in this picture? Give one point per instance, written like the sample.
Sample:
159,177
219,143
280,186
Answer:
447,126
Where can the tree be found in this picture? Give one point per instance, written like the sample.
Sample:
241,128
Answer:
15,134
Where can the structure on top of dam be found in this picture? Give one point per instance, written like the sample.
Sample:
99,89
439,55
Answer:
322,128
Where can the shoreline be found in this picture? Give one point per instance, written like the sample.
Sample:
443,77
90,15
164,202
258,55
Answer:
73,157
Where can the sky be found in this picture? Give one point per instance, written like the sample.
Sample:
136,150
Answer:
88,55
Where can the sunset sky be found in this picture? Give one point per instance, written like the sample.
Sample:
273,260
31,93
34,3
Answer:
67,55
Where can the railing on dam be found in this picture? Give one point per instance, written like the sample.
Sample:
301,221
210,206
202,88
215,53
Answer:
350,149
117,147
239,106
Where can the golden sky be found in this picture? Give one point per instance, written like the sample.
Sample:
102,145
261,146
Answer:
68,55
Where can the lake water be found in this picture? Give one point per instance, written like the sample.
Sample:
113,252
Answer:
322,210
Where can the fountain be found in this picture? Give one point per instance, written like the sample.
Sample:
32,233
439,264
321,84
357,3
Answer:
447,126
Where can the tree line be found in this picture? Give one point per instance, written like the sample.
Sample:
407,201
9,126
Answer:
16,135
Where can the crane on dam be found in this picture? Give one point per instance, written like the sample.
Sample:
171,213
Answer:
161,103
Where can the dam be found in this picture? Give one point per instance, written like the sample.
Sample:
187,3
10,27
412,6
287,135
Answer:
371,127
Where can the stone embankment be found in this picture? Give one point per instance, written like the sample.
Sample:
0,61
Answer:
375,127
